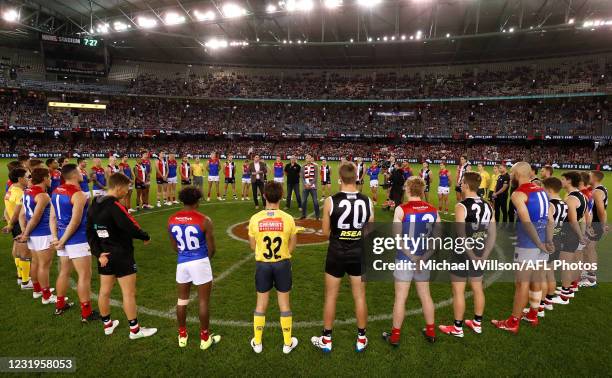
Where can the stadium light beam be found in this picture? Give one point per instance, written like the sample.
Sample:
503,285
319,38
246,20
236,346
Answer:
271,8
120,26
173,18
146,22
215,44
299,5
332,4
10,15
368,3
204,16
231,10
103,28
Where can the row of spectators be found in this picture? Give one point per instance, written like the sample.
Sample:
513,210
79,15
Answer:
570,77
586,117
583,154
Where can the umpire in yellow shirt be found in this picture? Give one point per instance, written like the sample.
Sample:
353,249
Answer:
273,237
197,169
484,182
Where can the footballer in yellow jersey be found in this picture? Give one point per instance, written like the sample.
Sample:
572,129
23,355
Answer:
485,181
273,237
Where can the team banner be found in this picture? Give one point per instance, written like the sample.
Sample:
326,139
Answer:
451,251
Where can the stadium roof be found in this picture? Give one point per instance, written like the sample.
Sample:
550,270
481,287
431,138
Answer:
323,33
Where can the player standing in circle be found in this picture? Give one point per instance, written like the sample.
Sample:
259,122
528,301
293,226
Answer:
110,232
68,222
464,166
13,201
230,177
373,172
161,177
325,179
198,173
140,183
345,214
572,234
443,188
361,172
124,167
37,233
82,164
598,228
416,218
273,237
493,183
425,174
473,216
485,181
98,177
213,175
560,210
172,180
246,180
56,175
279,171
534,243
191,235
147,183
186,172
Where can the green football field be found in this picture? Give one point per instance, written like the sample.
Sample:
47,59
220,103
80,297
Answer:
570,341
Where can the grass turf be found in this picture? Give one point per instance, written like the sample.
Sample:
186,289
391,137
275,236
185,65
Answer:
580,330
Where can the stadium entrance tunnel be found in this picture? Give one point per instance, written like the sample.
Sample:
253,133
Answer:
309,231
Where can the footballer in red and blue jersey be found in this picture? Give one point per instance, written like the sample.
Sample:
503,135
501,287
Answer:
418,220
172,169
537,204
186,228
56,179
29,203
63,205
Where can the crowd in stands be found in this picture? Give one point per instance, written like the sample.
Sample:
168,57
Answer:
511,118
422,151
518,80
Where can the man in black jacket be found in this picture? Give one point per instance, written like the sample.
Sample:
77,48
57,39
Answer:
110,231
292,170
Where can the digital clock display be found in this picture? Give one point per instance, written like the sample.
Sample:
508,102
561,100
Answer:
90,42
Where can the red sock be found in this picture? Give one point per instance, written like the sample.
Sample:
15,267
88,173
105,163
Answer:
182,331
46,293
85,309
512,321
61,302
37,287
204,334
395,335
430,330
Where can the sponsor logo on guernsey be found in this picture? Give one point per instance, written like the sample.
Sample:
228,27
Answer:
270,224
184,219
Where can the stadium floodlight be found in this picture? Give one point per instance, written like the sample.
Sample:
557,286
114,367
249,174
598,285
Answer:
10,15
419,34
216,43
369,39
204,16
332,4
271,8
511,30
231,10
146,22
447,35
102,28
385,38
120,26
403,37
299,5
571,21
351,40
173,18
368,3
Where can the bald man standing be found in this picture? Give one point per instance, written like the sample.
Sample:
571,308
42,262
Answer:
534,243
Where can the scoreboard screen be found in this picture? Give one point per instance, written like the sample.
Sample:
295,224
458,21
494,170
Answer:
74,55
